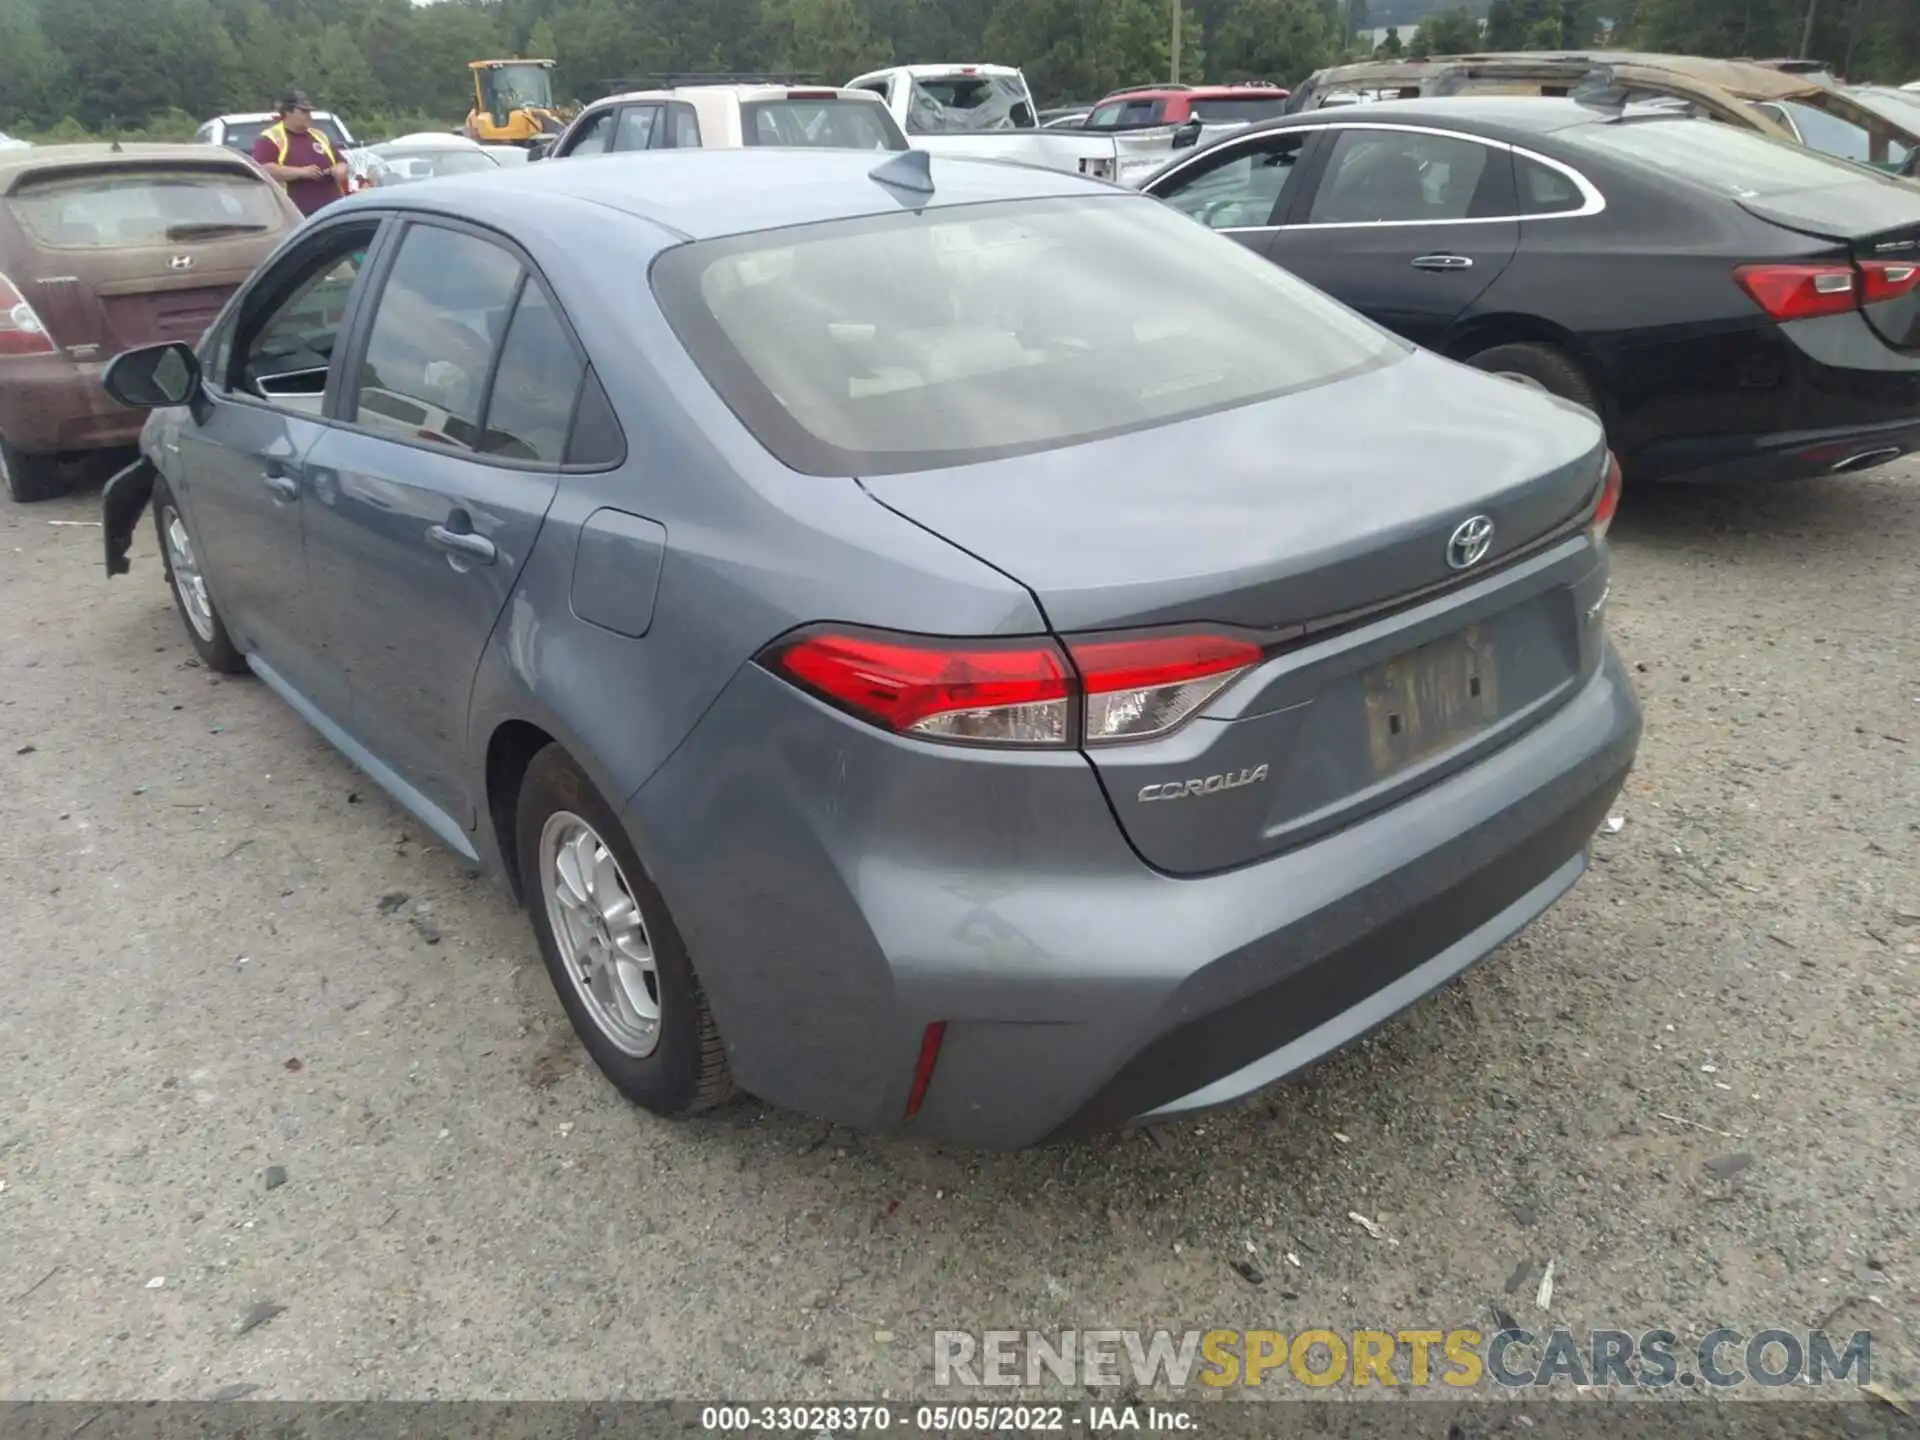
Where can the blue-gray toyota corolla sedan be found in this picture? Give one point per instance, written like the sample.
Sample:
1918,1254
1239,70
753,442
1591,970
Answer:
951,647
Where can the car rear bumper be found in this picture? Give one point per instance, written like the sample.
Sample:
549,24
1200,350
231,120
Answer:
1811,397
835,908
50,404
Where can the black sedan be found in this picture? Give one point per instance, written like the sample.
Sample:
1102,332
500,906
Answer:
1732,306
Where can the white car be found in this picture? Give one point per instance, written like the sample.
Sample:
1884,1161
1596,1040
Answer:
418,157
730,117
238,132
7,142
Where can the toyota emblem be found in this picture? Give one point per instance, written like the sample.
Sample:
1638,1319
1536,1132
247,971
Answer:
1469,543
180,262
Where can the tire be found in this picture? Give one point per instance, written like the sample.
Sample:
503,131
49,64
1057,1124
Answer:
190,594
676,1065
1544,367
30,477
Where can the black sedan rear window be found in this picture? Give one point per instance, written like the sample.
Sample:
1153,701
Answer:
1742,163
916,340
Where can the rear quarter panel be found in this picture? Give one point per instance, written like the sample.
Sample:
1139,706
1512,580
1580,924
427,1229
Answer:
751,551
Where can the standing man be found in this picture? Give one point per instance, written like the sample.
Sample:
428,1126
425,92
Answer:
300,157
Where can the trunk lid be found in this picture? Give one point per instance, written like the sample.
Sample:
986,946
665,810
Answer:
1878,221
1292,519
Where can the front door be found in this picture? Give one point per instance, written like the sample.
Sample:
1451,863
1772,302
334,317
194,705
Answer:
456,417
1408,226
242,462
1240,188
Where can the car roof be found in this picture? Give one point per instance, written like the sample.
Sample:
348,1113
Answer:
253,117
1199,92
426,140
703,194
16,165
1747,79
1507,117
757,90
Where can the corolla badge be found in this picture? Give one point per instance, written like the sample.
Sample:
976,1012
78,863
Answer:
1206,785
1469,543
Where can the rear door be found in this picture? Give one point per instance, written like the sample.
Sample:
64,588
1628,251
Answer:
138,254
1240,189
1407,224
455,417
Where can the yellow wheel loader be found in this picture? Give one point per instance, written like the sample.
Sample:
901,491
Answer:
513,103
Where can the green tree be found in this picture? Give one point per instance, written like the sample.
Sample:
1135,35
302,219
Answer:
1504,29
541,44
827,38
1279,40
33,74
1446,32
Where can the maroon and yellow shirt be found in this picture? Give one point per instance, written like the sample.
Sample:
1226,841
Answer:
306,148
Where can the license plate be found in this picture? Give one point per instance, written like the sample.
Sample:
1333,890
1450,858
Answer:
1429,700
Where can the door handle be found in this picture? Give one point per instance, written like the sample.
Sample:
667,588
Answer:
463,543
1443,262
283,485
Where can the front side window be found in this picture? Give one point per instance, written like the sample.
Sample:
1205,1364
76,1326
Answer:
438,321
121,209
636,127
290,326
1240,191
592,135
920,339
1399,176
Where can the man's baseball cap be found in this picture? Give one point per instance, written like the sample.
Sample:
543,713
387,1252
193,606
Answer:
295,100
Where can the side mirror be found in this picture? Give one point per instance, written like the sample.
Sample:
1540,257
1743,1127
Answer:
1188,135
154,377
541,148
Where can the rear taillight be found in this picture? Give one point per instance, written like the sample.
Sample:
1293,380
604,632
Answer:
1888,279
1029,692
1142,687
1800,292
21,332
1609,502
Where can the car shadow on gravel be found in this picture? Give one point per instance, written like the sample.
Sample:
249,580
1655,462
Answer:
1833,506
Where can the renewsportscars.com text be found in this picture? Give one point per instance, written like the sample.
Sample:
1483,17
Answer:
1459,1359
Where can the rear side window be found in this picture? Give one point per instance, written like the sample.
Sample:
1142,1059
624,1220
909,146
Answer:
1543,189
683,127
441,316
836,124
1742,163
920,339
122,209
1129,112
1398,175
531,408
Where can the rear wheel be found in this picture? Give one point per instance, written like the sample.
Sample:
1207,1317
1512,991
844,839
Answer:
1540,367
204,627
612,951
30,477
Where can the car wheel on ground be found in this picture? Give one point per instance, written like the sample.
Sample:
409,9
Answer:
613,952
29,477
1540,367
197,611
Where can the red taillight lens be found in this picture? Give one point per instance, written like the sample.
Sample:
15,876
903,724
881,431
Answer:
923,1067
1014,692
1888,279
1799,292
1609,502
985,691
21,332
1141,687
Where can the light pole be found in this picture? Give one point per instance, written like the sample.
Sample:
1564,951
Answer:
1173,6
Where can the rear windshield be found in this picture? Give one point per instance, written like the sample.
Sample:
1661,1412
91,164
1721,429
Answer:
121,209
836,124
920,339
241,134
1231,110
943,104
1742,163
1123,113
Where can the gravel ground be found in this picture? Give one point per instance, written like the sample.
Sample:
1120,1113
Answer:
238,1071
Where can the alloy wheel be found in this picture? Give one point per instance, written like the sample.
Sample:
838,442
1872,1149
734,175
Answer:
603,942
187,579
